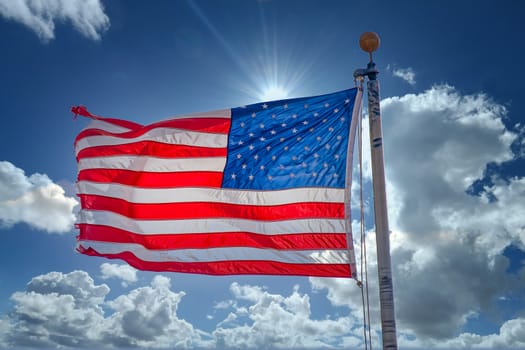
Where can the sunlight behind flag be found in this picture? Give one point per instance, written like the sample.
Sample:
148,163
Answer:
260,189
272,93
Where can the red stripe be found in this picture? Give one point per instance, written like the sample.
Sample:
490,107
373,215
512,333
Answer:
231,267
206,240
199,210
216,240
82,110
210,125
153,180
154,149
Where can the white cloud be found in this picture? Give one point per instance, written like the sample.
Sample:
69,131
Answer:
123,272
446,244
407,74
56,310
34,200
277,321
68,310
147,317
87,16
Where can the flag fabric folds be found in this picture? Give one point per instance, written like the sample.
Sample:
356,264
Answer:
260,189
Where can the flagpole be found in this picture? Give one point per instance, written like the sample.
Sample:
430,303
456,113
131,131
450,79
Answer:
369,42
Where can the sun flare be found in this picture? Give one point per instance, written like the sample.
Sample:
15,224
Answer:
274,93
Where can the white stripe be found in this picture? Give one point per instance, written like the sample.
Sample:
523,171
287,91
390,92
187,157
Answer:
147,227
199,194
146,163
221,113
222,254
163,135
106,126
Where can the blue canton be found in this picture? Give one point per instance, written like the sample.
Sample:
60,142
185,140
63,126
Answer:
300,142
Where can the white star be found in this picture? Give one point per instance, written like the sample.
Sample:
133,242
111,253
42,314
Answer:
347,100
285,106
292,175
312,129
316,155
262,138
250,177
327,105
294,130
327,146
240,142
239,156
294,116
305,106
318,138
281,139
270,177
325,120
294,158
251,134
339,137
298,138
281,166
251,147
264,106
242,124
273,132
268,148
234,176
316,114
325,165
314,174
336,110
306,148
261,126
342,119
273,116
256,157
244,166
305,122
253,115
286,148
335,175
262,167
274,157
303,164
283,125
330,129
336,156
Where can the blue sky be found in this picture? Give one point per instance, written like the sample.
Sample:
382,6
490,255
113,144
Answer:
454,151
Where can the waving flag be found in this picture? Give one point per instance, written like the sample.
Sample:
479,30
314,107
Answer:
260,189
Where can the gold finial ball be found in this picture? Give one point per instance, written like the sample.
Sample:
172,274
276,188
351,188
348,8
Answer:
369,41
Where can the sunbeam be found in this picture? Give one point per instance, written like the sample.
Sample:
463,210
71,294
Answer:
270,69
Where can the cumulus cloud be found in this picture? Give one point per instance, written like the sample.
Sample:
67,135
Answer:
123,272
407,74
259,319
34,200
147,317
57,310
87,16
68,310
447,243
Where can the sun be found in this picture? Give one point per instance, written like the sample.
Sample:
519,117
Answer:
272,93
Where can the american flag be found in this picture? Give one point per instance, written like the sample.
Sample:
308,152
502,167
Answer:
259,189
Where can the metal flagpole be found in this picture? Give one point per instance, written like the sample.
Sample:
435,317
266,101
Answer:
369,42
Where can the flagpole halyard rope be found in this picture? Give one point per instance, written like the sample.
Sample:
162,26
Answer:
363,284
